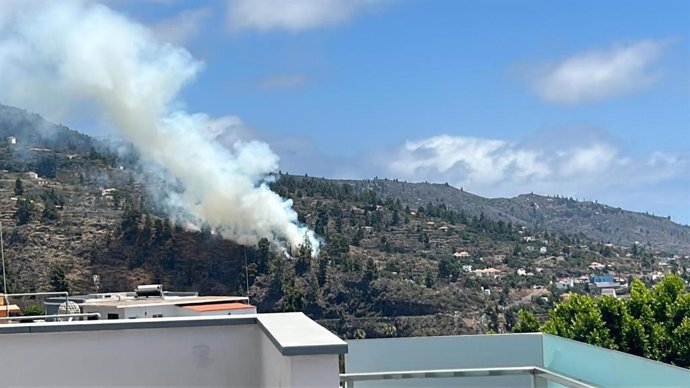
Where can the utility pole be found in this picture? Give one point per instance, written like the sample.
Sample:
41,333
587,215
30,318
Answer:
4,277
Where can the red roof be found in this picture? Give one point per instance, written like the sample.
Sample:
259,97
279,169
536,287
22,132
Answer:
200,308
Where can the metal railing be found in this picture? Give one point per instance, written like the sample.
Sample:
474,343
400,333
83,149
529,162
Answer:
51,317
348,380
6,298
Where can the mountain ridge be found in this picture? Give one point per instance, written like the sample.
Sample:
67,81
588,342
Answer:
562,214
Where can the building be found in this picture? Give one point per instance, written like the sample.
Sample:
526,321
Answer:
467,268
11,140
542,250
291,350
256,350
150,301
32,175
488,272
564,284
601,278
596,266
461,255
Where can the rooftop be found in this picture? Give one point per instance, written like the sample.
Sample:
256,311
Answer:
218,306
291,350
171,300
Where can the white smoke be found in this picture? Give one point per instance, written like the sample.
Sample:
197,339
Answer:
59,56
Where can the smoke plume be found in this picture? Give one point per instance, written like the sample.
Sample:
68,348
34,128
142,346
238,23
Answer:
58,57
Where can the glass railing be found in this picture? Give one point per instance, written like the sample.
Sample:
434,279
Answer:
515,360
537,377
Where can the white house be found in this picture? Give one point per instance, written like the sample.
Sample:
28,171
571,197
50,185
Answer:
462,254
596,266
467,268
521,272
542,250
150,301
32,175
488,272
564,284
11,140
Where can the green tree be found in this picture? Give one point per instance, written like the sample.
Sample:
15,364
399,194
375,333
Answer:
49,213
526,322
303,259
18,187
58,280
370,271
24,212
653,323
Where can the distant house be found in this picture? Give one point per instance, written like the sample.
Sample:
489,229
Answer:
530,248
604,285
443,228
601,279
542,250
11,140
564,284
604,281
488,272
32,175
596,266
467,268
521,272
462,254
608,292
108,192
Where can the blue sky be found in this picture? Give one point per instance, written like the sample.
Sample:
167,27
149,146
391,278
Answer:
587,99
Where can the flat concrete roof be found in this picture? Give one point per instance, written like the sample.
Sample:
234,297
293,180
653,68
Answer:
293,334
157,301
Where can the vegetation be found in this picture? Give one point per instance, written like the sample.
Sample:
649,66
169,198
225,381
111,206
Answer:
33,309
389,262
652,323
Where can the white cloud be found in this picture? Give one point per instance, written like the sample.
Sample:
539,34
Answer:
590,159
499,168
600,74
483,161
293,15
288,81
182,28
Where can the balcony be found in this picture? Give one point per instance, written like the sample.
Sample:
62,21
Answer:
505,360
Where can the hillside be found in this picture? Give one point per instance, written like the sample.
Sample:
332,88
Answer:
558,214
397,259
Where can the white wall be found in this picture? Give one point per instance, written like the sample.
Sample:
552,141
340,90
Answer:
315,371
297,371
177,352
212,356
279,372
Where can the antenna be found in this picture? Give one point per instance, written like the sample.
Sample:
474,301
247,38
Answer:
97,282
2,254
246,272
4,278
